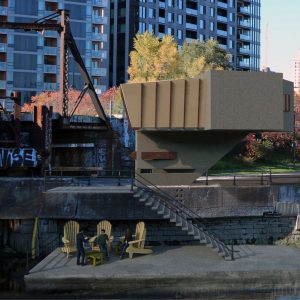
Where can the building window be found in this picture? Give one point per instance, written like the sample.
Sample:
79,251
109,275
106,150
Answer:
287,103
211,26
202,24
142,27
212,12
180,6
179,34
179,17
170,17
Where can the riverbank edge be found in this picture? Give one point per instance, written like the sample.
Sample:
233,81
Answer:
178,286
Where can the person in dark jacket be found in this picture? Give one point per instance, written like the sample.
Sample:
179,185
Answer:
102,240
80,240
127,239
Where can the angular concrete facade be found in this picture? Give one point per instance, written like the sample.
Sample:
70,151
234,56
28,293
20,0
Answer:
185,126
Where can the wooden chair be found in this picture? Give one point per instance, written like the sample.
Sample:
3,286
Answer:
106,225
71,229
138,244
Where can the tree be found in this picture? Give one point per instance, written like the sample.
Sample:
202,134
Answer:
197,57
112,97
86,106
153,59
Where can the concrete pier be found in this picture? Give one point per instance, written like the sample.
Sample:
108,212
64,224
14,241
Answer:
176,272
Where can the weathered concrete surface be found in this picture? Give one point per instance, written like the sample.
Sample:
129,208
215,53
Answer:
23,198
20,197
94,203
178,272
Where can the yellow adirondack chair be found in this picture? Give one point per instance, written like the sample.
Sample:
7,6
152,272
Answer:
138,245
71,229
106,225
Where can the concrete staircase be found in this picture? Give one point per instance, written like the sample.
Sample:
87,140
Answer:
182,219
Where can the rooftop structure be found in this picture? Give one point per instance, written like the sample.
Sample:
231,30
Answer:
185,126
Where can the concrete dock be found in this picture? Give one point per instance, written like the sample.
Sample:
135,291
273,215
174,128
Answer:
176,272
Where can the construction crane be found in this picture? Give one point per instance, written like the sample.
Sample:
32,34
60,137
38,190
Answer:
67,43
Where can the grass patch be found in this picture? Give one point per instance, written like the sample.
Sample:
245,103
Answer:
277,163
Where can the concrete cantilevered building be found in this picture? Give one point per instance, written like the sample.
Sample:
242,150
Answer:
185,126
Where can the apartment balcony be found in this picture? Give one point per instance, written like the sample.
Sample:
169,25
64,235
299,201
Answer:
50,69
222,4
2,84
99,20
98,71
223,46
2,65
101,37
222,19
50,50
99,88
244,10
244,64
160,35
49,86
190,11
244,50
221,32
49,12
161,20
2,47
191,26
162,4
3,10
50,33
100,3
244,37
244,23
99,54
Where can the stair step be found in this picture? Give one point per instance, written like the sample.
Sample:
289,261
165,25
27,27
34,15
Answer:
191,229
178,221
155,205
185,225
173,216
150,201
138,193
161,209
167,213
144,197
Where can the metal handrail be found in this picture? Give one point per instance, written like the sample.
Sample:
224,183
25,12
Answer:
167,197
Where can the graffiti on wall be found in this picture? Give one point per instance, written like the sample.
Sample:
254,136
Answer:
18,157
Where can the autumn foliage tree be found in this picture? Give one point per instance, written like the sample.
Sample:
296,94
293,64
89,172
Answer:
154,59
86,106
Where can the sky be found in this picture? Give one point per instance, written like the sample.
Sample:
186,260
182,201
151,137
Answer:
283,19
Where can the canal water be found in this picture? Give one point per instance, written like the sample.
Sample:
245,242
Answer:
12,286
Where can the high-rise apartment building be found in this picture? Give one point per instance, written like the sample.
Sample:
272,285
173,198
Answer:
29,61
296,66
235,24
104,32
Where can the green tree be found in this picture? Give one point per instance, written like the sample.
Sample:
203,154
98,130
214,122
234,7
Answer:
197,57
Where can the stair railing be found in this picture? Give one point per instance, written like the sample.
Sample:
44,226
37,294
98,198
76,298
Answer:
180,209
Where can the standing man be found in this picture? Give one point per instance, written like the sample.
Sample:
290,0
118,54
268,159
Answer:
102,240
80,240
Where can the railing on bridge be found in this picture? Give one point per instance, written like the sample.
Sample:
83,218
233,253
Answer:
87,176
257,177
